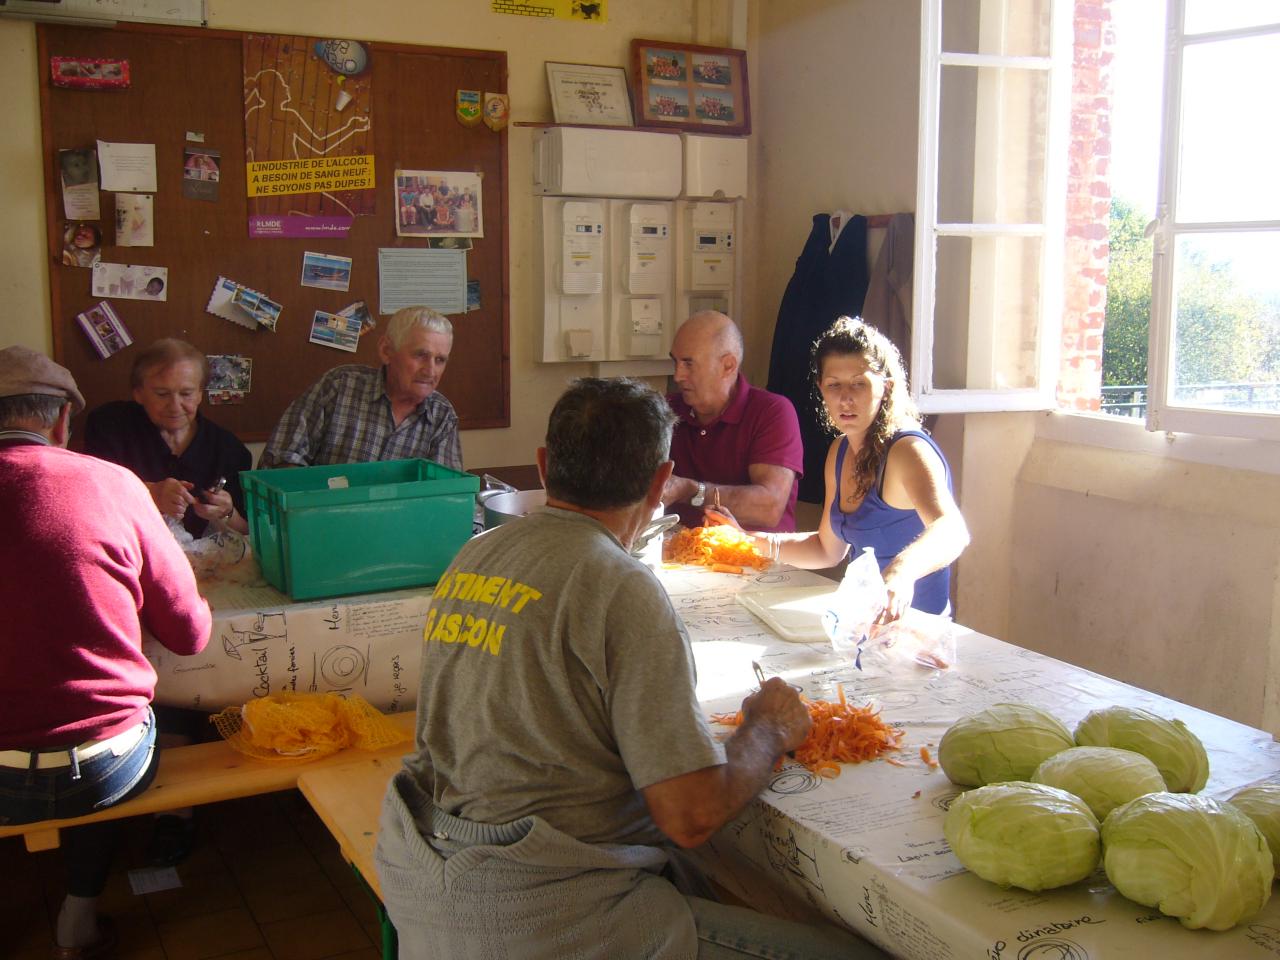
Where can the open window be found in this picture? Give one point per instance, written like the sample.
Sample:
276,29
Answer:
1215,306
994,106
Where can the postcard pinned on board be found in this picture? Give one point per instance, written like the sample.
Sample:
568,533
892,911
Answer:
326,271
332,330
243,305
104,328
359,311
230,377
130,281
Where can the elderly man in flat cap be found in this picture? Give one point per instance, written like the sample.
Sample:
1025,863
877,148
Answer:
86,564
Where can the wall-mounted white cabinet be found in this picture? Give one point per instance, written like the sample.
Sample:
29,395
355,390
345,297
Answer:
623,261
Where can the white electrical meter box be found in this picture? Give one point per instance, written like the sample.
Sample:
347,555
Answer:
711,246
573,269
714,166
595,162
643,328
582,247
640,281
648,265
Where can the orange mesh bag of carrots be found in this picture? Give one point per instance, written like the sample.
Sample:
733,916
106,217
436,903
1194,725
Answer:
709,546
841,733
288,727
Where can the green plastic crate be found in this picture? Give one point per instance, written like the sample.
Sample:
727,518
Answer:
398,523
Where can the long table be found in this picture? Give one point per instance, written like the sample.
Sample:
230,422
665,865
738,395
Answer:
866,849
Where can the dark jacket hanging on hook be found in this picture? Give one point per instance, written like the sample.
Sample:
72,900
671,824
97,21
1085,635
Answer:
829,281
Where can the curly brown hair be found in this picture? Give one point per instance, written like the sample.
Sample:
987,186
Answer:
850,336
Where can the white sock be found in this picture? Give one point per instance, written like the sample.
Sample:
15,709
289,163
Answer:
77,921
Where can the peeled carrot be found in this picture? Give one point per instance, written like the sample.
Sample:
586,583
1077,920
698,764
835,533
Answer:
841,733
707,546
726,568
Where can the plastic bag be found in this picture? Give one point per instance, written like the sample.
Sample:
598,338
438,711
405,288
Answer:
855,605
924,639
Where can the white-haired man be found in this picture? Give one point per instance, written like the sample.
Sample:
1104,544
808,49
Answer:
357,413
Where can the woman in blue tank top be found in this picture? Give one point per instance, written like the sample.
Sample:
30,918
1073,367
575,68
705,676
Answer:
888,485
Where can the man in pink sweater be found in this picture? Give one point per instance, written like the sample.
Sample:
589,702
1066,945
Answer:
86,564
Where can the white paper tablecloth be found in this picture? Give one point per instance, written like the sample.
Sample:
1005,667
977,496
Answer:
263,642
867,848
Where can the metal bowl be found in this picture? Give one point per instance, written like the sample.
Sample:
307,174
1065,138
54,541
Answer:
502,507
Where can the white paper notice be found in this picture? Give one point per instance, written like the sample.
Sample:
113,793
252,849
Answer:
127,167
432,278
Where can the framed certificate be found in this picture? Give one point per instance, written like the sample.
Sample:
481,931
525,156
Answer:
589,95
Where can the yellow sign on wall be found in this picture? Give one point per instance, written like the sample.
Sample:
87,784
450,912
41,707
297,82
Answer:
596,11
267,178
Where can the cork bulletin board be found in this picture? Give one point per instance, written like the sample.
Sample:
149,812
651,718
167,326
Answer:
185,81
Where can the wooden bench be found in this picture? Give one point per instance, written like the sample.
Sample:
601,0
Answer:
207,773
348,799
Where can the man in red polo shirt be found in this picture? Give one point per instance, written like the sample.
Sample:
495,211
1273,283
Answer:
734,442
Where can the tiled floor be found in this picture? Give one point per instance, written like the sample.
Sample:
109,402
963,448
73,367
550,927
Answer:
265,882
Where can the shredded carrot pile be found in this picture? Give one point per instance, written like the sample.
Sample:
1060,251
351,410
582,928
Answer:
711,545
841,733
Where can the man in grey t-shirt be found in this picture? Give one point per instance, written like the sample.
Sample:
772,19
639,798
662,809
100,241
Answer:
560,745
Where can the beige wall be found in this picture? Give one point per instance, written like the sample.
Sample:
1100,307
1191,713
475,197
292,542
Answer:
1152,570
530,42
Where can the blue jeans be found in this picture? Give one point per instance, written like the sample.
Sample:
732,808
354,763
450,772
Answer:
29,796
731,933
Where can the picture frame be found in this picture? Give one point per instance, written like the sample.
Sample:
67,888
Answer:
588,95
685,86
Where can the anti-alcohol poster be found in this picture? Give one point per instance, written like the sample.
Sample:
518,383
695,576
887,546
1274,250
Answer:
308,135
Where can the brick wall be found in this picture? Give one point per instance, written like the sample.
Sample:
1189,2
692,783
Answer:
1088,206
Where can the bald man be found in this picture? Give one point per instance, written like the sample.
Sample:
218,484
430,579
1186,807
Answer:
734,441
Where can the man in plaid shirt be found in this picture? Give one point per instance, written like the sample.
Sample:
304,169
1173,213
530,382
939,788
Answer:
356,413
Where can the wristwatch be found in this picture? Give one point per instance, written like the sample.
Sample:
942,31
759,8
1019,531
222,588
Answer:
697,499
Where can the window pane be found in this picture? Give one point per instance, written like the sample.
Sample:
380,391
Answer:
1226,313
1015,28
986,314
1206,16
991,148
1227,91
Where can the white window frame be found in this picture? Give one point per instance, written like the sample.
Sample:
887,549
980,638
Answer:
1057,66
1162,414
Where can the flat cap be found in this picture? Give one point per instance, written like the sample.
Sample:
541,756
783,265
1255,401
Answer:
24,372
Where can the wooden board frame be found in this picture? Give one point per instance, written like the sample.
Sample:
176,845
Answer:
191,79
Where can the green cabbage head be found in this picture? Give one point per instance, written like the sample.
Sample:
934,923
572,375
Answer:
1261,804
1004,742
1177,752
1023,835
1103,777
1196,859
